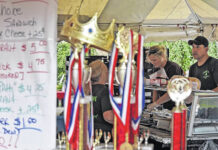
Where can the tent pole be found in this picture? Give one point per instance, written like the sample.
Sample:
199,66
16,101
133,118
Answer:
192,11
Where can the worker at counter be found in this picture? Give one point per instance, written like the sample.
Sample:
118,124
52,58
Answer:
206,67
206,71
103,113
157,55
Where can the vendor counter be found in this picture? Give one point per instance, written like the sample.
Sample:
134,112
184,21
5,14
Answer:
202,120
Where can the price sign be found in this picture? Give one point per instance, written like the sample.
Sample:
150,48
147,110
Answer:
28,74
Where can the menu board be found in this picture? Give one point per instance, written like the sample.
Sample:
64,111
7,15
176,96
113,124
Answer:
28,74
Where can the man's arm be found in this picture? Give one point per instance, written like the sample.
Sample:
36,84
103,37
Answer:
163,99
107,110
154,96
109,116
215,90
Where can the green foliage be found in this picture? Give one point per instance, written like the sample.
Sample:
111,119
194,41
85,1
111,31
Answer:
181,53
63,50
213,49
93,52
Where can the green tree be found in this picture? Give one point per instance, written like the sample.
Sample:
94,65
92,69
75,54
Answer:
63,50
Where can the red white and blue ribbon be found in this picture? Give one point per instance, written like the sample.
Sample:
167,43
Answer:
68,91
112,66
121,109
139,103
71,108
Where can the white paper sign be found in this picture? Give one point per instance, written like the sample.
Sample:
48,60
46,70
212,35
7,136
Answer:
28,74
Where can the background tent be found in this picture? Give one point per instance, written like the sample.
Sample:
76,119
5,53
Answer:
158,20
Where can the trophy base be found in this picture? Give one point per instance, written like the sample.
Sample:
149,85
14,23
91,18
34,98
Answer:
61,147
103,146
146,147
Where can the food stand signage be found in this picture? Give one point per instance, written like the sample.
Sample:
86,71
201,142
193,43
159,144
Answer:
28,74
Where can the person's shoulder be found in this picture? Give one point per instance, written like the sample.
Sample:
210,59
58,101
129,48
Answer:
173,68
213,60
173,64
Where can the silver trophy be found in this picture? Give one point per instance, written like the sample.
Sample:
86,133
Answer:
122,42
179,88
86,72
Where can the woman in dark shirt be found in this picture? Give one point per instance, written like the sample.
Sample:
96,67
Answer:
157,55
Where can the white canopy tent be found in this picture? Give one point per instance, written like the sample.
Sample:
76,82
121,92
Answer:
157,20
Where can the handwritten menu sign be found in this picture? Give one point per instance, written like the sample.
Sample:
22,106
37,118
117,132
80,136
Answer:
28,74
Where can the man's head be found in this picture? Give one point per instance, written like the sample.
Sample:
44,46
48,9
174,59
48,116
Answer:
99,72
199,40
199,47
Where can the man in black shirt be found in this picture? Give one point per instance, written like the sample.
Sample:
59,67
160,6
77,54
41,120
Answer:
206,67
103,113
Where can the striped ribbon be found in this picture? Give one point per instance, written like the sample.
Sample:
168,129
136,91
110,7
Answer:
71,108
121,110
139,103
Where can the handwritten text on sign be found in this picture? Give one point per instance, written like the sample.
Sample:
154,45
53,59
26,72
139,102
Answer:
15,23
27,74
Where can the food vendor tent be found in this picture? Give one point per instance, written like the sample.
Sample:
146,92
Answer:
158,20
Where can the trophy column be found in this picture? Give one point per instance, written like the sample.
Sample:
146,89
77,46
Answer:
184,126
78,106
179,88
82,74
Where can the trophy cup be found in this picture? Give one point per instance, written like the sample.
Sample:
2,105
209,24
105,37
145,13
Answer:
178,88
122,42
82,35
140,141
98,134
107,138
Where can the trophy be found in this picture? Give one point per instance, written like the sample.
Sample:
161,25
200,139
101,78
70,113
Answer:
122,42
127,107
107,138
98,135
82,36
179,88
125,69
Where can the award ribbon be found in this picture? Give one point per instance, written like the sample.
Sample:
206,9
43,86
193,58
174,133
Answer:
139,103
71,108
120,110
